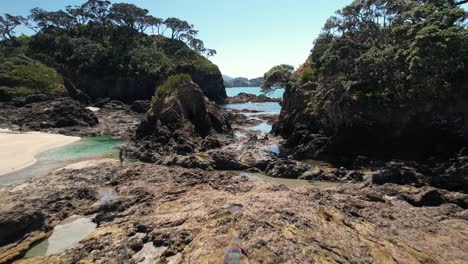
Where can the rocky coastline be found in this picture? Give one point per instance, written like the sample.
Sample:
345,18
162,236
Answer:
185,195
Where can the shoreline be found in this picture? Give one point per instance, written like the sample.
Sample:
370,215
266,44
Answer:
19,150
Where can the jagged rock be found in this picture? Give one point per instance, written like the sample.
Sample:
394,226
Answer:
140,106
316,174
286,169
224,160
58,113
452,174
181,123
395,173
100,102
250,98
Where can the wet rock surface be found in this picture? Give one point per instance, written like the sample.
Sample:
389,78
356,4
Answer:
193,216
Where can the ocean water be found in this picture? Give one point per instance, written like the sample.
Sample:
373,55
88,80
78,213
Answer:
254,90
270,108
83,149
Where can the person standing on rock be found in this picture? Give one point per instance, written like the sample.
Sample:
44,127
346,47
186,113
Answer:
121,156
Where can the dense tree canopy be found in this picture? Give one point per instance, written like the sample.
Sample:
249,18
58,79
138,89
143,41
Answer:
105,13
99,45
396,53
392,54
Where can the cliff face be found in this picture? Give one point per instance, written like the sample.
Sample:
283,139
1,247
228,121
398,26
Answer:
320,124
384,94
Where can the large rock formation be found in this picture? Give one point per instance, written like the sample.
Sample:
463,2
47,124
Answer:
181,122
320,124
52,113
385,94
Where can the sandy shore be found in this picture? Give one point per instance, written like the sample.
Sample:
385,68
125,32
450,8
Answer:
18,150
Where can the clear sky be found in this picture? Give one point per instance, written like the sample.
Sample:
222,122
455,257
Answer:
250,36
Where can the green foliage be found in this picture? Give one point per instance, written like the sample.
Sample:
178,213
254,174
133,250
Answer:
20,75
100,41
278,77
171,85
395,54
308,75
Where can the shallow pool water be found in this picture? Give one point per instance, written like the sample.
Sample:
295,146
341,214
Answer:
263,127
65,236
83,149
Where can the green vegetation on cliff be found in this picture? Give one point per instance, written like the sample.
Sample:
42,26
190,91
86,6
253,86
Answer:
21,76
393,54
115,50
382,76
171,85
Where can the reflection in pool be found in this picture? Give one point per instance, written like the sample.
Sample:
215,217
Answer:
65,236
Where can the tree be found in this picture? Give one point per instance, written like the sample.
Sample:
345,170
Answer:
278,77
179,28
129,15
96,10
8,23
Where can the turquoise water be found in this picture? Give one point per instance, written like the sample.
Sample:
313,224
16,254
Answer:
83,149
102,146
263,127
254,90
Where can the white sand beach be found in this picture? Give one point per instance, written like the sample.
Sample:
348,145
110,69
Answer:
18,150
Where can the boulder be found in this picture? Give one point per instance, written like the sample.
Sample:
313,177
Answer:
396,173
140,106
226,160
63,112
286,169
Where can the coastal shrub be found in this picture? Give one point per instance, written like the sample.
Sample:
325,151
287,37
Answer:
308,74
170,86
20,75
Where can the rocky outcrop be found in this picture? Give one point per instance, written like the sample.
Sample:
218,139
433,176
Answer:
180,123
45,115
176,215
320,124
140,106
250,98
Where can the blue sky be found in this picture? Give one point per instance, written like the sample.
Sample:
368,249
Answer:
250,36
